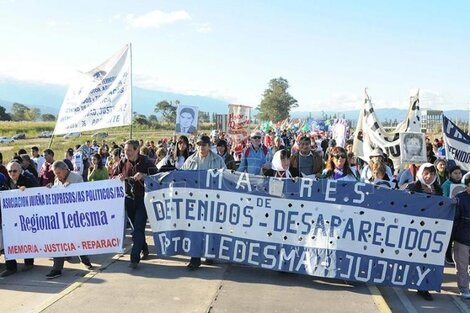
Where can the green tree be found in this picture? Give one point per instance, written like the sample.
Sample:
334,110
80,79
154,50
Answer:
32,114
20,112
153,120
203,117
48,117
167,109
4,116
140,119
277,102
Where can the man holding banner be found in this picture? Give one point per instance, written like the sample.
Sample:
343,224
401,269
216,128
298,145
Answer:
203,159
132,169
64,177
18,181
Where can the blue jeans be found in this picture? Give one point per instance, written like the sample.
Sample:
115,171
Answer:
135,209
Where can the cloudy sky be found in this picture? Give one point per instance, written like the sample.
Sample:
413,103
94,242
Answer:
329,51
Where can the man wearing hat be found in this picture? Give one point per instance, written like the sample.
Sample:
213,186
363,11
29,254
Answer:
255,156
203,159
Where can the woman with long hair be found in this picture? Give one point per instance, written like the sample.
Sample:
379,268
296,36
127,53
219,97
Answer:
113,159
375,156
103,151
180,152
441,170
97,171
222,150
337,166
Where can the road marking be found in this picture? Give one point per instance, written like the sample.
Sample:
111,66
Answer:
379,299
405,301
457,300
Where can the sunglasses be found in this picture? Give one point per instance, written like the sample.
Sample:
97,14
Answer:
12,171
256,137
339,156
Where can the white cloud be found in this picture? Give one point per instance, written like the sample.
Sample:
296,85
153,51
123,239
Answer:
203,28
157,18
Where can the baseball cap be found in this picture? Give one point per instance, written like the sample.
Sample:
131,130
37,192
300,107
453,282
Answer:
203,139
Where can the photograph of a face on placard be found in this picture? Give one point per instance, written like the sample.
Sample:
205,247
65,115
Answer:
186,119
412,148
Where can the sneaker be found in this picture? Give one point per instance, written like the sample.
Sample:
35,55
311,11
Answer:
449,261
27,267
465,293
7,273
54,274
425,295
133,265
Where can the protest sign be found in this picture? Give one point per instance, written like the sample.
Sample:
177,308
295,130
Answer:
344,230
81,219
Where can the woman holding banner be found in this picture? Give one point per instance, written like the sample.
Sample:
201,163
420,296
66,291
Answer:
426,182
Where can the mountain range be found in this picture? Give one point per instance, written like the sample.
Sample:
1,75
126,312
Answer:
48,98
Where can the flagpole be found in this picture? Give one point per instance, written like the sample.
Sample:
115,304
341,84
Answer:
50,141
132,100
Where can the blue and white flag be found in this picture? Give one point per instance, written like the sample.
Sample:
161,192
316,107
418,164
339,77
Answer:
457,144
343,230
99,98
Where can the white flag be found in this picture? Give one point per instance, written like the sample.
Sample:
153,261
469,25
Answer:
100,98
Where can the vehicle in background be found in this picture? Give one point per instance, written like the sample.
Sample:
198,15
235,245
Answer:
100,135
6,140
45,134
19,136
72,135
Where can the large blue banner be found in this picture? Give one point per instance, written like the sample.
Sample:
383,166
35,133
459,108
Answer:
344,230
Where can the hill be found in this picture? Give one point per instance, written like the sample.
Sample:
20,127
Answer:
48,97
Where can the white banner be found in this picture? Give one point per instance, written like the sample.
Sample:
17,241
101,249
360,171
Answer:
81,219
100,98
370,133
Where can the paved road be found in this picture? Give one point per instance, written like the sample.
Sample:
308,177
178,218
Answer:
164,285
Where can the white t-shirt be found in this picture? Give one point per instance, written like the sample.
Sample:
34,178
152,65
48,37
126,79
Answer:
39,160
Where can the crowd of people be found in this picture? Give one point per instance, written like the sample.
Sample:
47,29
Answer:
282,154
